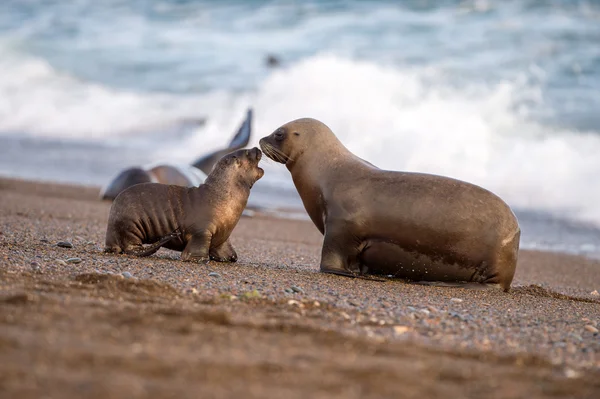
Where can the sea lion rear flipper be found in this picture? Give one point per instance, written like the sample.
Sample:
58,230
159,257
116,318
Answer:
152,248
240,140
242,137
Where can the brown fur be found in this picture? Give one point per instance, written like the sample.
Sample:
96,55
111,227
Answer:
411,225
197,220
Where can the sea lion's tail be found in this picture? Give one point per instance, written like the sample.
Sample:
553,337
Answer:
152,248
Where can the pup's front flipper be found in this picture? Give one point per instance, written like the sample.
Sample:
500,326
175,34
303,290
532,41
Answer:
197,248
223,253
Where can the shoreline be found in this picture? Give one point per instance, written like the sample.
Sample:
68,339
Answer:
271,324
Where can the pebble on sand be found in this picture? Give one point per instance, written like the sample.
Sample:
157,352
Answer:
456,300
127,275
74,260
214,274
591,328
595,293
297,289
64,244
251,295
399,330
61,262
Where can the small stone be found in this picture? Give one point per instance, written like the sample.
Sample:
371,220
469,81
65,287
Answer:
251,294
595,293
297,289
345,315
44,240
74,260
293,302
353,303
64,244
591,328
425,311
570,373
214,274
288,290
411,308
61,262
316,304
399,330
456,300
127,275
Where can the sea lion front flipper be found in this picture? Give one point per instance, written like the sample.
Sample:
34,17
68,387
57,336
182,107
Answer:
223,253
240,140
197,248
340,252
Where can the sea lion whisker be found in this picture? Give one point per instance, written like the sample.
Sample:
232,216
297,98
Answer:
278,153
268,149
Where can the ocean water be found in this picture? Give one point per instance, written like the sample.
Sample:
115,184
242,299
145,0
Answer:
504,94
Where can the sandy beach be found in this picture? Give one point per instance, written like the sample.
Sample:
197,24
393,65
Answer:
76,322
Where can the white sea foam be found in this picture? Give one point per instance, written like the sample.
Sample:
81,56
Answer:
403,119
37,100
412,120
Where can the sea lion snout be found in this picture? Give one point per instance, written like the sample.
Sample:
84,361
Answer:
255,153
272,148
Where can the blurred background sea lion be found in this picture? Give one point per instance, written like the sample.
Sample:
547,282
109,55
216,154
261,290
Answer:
180,175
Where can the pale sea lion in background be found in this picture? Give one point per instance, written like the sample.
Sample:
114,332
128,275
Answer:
415,226
197,220
181,175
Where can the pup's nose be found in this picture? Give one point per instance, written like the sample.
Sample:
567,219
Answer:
257,153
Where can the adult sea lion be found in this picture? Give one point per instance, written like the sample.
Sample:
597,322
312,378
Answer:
181,175
415,226
197,221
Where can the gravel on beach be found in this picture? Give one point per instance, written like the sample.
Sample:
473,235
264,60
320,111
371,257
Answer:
76,321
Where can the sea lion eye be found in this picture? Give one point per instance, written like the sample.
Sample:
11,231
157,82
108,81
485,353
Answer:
279,135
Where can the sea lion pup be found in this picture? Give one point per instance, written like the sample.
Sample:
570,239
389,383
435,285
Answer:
181,175
415,226
197,221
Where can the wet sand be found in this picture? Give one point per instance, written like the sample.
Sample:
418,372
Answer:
271,325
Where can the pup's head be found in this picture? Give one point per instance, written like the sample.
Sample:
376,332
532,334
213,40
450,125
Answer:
241,165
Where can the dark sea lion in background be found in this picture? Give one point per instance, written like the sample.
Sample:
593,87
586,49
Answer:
181,175
415,226
240,140
197,220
